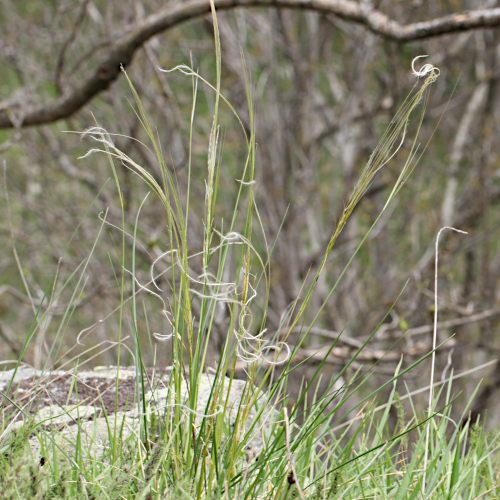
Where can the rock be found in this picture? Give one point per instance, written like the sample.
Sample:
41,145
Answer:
86,406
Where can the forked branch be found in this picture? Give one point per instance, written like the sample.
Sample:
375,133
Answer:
124,48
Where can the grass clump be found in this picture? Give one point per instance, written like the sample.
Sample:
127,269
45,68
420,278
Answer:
259,444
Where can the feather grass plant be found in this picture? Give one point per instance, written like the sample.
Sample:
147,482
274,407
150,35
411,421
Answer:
306,450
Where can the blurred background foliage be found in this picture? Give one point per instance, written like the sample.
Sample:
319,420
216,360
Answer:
324,90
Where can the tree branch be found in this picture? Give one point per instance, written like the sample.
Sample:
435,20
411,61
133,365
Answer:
170,16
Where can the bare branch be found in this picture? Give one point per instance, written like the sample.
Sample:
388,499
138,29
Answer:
333,355
473,318
62,55
123,48
458,150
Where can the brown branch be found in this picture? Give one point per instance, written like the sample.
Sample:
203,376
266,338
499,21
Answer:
333,355
369,355
62,55
9,337
473,318
170,16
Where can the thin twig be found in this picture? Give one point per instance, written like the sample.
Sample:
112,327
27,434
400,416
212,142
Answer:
473,318
62,55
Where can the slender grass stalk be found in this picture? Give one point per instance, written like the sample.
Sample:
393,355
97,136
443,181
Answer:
434,341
